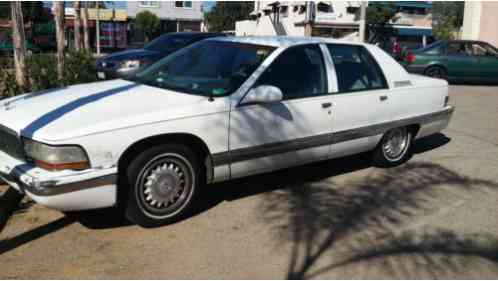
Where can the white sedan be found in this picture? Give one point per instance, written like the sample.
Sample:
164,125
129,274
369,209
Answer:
220,109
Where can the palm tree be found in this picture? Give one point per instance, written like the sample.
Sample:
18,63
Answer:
19,44
59,28
77,30
86,36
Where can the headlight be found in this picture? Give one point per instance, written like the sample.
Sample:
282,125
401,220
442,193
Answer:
130,64
56,157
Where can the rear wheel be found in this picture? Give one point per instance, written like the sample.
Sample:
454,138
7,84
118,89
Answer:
394,148
163,185
436,72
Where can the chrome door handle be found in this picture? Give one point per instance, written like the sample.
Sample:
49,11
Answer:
383,98
326,104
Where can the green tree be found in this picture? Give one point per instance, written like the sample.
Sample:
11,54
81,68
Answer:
32,15
378,21
447,17
224,15
148,23
32,11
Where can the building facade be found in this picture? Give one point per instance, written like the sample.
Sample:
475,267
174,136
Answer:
337,19
175,16
480,21
413,23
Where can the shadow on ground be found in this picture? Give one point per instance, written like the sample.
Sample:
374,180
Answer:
357,221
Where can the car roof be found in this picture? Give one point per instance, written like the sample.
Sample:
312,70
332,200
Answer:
281,41
192,34
464,41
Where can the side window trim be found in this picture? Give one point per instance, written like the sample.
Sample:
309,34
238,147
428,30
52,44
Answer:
376,64
332,83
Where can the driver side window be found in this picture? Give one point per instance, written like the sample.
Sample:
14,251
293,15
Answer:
298,72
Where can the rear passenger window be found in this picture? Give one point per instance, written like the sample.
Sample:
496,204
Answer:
356,69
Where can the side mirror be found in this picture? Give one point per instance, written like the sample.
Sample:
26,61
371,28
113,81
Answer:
263,94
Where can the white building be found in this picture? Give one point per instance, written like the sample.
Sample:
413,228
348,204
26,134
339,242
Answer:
338,19
480,21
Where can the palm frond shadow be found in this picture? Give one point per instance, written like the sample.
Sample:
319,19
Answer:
365,217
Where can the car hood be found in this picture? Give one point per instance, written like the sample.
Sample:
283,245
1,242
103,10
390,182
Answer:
132,54
65,113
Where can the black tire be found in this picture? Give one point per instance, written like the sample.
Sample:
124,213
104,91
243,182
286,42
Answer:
163,185
436,72
9,202
383,157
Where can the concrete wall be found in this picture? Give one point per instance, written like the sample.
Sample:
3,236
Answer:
480,21
471,20
167,10
489,23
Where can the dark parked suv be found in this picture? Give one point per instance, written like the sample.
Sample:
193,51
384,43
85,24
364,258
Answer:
128,62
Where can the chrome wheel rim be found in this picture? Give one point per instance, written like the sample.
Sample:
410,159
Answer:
165,185
435,72
395,144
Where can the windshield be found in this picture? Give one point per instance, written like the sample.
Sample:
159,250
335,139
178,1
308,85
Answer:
167,43
436,44
209,68
489,50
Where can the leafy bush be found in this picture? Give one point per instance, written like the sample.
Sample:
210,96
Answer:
79,68
42,72
8,85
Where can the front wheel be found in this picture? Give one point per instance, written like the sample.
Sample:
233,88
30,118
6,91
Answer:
394,148
436,72
163,185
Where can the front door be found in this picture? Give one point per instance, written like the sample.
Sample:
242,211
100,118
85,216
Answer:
266,137
487,58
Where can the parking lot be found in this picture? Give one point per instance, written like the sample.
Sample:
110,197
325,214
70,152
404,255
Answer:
434,217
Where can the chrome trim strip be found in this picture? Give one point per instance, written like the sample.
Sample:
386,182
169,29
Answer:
403,83
243,154
50,188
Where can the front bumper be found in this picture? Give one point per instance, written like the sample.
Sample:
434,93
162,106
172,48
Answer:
61,190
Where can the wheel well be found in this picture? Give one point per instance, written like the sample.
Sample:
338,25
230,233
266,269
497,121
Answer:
198,145
435,65
414,128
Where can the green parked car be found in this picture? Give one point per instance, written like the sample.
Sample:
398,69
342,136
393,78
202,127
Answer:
456,60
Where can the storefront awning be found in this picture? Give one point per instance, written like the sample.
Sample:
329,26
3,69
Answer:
413,31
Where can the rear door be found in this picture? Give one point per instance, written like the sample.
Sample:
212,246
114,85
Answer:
362,99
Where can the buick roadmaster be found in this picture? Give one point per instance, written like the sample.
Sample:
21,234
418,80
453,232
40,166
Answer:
220,109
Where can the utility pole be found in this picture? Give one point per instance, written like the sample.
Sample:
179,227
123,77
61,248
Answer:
363,15
97,26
